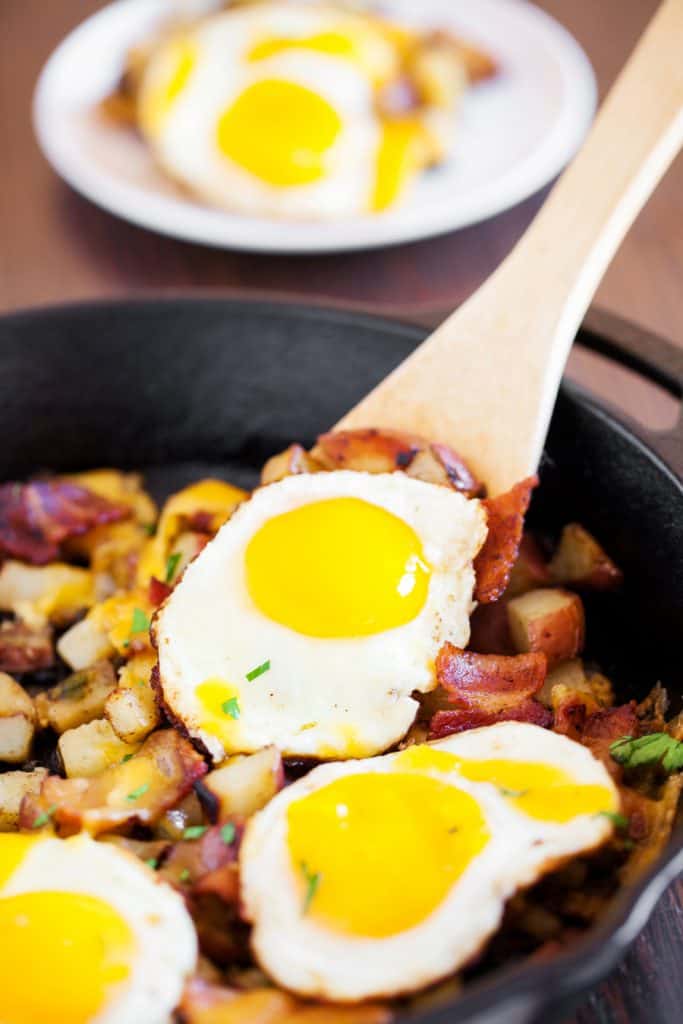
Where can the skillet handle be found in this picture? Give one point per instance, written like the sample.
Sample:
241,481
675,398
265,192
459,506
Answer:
651,356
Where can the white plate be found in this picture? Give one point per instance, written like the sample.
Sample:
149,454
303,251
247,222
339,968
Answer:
515,132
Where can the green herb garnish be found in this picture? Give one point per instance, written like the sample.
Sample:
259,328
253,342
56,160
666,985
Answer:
313,880
149,528
126,758
152,862
618,820
228,833
139,623
231,707
172,565
194,832
258,671
140,791
512,792
656,748
43,818
185,875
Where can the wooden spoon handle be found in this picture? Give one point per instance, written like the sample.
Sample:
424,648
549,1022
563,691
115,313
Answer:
487,379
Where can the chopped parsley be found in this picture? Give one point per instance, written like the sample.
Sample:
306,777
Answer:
43,818
194,832
149,528
137,793
228,833
313,880
152,862
172,565
512,792
126,758
139,623
231,707
258,671
656,748
185,875
618,820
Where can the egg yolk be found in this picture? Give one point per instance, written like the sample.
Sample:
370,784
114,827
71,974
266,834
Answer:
376,853
13,848
337,568
280,132
220,708
398,160
540,790
178,63
81,948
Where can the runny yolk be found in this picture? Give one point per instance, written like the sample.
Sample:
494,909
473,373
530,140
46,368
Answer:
279,131
220,708
84,950
337,568
398,160
540,790
178,63
376,853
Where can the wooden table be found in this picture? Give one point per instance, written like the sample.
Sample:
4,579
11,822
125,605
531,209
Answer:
56,247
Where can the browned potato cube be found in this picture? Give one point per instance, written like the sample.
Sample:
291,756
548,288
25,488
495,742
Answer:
290,462
550,621
131,708
242,785
89,749
569,674
17,721
14,786
78,699
581,562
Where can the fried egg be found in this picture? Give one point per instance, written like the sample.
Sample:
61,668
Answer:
388,874
271,110
316,611
108,943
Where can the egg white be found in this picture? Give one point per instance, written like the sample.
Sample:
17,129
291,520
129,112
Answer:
304,956
165,951
321,697
185,143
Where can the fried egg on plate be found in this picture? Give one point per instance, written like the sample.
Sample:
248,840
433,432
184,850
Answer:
89,936
378,877
271,110
316,611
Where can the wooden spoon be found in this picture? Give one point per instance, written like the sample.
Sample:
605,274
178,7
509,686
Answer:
486,380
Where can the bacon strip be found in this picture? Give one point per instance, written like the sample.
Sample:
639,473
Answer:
35,518
445,723
494,562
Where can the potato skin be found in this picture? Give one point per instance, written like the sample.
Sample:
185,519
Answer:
580,561
550,621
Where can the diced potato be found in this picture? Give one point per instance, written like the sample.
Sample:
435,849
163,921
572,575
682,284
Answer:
438,73
174,822
14,786
132,708
568,674
580,561
242,785
89,749
84,644
290,462
36,594
550,621
186,547
119,488
25,648
76,700
17,721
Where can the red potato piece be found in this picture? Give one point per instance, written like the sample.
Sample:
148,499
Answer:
243,785
489,682
201,864
25,648
445,723
291,462
580,561
35,518
551,621
138,790
505,520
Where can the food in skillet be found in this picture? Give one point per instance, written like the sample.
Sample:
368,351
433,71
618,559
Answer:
170,683
297,110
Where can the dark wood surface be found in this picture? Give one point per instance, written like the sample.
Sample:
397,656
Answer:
56,247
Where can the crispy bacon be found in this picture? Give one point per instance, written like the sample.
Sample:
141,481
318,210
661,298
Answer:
488,688
36,517
494,562
489,682
445,723
139,789
25,648
596,729
207,864
158,591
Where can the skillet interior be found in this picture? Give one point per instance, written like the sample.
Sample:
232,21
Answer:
182,387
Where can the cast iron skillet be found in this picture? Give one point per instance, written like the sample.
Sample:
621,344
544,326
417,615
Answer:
182,387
